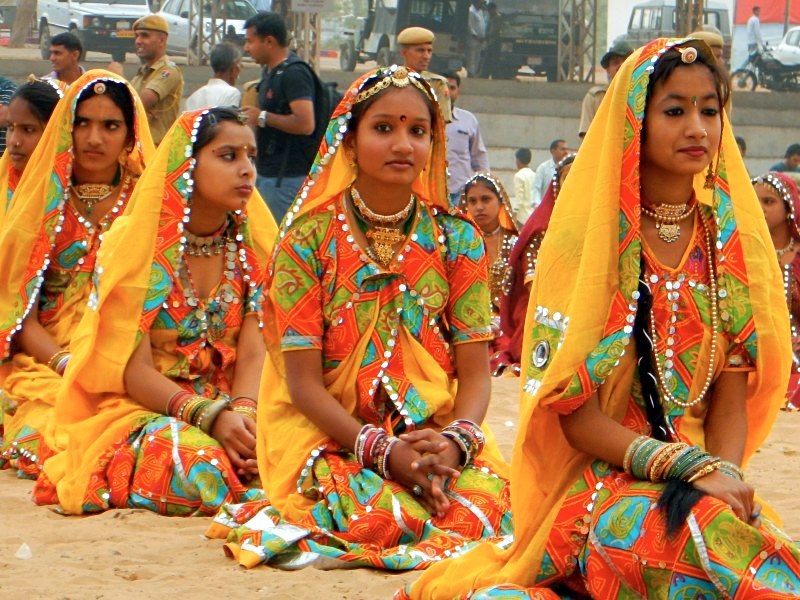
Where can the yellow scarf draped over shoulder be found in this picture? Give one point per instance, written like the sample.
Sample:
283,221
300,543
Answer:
286,438
136,268
588,272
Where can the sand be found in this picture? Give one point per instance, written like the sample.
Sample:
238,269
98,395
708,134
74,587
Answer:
136,554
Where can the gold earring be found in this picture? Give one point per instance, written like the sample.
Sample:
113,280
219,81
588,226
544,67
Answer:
711,176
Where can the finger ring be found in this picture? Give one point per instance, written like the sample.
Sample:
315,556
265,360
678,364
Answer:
417,490
755,515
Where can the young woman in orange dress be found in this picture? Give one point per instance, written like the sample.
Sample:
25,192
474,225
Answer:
77,182
157,409
780,202
656,358
487,202
370,442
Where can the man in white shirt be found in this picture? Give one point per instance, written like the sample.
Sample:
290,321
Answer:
754,39
545,171
524,179
466,153
477,36
226,62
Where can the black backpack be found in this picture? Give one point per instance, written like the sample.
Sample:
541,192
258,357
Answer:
326,99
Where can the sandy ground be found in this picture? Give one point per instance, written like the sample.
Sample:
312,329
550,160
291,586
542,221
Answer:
135,554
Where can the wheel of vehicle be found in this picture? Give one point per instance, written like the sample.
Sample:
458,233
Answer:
384,56
118,55
347,56
44,40
743,80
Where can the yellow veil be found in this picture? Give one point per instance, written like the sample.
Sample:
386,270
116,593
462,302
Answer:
30,225
5,161
588,271
136,268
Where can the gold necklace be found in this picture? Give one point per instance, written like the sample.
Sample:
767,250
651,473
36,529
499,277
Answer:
90,194
381,239
667,217
494,233
373,217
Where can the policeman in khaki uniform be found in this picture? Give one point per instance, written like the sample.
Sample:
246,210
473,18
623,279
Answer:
159,82
611,62
416,48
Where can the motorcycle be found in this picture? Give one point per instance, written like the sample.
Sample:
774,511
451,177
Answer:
763,69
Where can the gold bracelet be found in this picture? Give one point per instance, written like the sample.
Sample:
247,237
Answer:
53,362
707,470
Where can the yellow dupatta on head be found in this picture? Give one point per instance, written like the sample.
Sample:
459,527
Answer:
286,438
506,214
6,190
136,271
34,218
588,272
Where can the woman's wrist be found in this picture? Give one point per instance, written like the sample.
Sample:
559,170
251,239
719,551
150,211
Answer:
58,362
649,459
468,437
246,406
373,448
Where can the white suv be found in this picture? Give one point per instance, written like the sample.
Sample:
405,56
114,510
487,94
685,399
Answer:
101,27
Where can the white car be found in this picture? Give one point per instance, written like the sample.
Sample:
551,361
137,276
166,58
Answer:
176,13
788,51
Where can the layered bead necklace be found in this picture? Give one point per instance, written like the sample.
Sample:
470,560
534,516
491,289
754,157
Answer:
668,217
383,231
667,359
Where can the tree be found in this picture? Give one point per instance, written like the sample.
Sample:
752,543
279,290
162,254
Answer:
21,29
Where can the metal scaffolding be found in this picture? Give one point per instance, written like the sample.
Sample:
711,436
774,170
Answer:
688,16
201,38
577,40
304,27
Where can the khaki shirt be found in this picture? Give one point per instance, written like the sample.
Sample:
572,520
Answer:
439,85
591,102
165,79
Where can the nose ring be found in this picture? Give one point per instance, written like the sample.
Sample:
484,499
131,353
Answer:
705,133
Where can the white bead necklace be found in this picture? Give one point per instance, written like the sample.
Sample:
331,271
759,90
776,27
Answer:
662,378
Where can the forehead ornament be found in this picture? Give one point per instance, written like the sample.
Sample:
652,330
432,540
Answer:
397,76
99,88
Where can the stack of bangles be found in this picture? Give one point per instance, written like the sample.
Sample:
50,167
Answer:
469,438
653,460
373,448
195,410
58,362
244,406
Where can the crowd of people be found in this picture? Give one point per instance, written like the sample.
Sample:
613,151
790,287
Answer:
289,320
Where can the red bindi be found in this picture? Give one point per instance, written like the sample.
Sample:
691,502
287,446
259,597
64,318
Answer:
403,118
